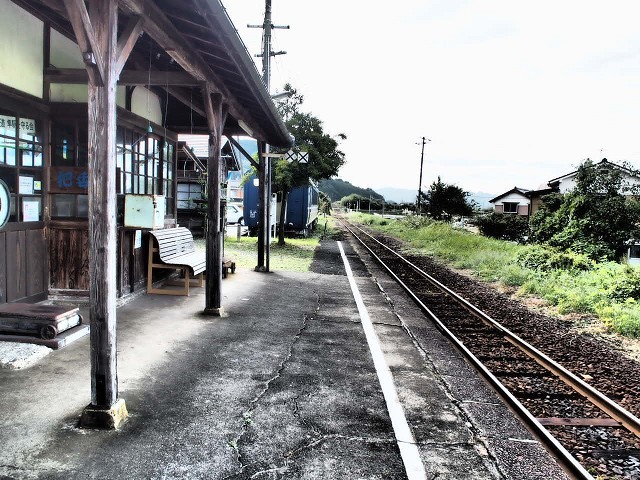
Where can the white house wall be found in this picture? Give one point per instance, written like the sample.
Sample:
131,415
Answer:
21,51
522,201
569,183
65,53
513,198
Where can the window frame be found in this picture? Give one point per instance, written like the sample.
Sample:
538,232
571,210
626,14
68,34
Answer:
515,205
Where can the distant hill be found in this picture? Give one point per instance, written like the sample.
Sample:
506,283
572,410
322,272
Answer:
336,188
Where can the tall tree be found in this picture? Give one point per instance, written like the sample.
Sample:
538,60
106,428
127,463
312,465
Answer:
595,218
443,200
324,158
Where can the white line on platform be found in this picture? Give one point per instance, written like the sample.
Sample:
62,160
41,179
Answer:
406,443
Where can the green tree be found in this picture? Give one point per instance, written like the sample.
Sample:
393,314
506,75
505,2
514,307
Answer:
595,218
324,159
443,200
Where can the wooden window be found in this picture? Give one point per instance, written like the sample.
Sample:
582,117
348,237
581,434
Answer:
168,164
144,165
68,180
21,161
187,192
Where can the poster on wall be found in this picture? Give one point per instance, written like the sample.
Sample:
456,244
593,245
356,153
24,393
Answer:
8,125
25,186
30,210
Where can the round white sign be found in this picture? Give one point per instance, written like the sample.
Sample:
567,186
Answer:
5,204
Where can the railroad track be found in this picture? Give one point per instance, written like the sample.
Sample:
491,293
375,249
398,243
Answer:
589,432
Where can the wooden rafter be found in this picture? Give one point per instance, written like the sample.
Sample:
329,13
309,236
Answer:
244,153
182,97
220,52
127,41
127,77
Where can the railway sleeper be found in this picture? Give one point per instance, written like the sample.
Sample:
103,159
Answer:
520,373
616,454
547,395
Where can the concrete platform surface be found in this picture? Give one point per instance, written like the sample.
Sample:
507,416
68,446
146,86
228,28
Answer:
282,386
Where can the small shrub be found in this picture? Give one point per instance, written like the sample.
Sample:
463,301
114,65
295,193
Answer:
514,275
622,318
503,226
415,222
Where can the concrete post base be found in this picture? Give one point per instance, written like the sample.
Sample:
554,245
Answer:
104,418
260,269
213,312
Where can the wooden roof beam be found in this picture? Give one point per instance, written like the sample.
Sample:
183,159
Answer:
127,77
127,41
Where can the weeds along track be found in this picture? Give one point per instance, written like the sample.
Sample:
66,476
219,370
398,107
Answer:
580,399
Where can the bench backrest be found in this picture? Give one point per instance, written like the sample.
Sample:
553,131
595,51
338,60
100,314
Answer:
173,242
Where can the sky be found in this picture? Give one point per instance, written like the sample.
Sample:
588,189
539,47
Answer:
510,93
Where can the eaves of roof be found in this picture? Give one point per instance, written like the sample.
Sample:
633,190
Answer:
199,34
521,191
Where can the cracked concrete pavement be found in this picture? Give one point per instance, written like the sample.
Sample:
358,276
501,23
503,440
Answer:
282,386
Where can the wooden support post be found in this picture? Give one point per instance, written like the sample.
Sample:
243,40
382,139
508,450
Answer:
262,208
216,116
267,218
96,32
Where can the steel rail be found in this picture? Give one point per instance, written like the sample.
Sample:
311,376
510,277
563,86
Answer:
611,408
569,463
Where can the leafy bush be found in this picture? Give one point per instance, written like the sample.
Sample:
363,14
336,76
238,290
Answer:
623,318
503,226
620,282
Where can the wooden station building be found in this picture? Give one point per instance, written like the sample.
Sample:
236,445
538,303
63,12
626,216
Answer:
44,130
93,94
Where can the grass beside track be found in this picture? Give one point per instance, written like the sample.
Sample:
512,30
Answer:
295,256
607,291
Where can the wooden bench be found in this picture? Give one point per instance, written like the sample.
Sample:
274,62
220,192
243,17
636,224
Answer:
175,250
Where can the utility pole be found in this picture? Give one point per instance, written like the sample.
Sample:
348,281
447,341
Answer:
424,140
264,239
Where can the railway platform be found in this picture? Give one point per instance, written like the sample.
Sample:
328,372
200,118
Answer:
332,374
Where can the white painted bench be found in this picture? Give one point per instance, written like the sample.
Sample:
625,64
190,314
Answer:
175,250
